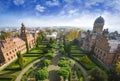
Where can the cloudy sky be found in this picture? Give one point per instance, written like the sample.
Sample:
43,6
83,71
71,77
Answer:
80,13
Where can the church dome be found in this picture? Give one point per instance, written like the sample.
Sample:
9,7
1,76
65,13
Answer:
99,20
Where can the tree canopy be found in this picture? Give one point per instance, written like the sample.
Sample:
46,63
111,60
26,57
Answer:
42,74
63,72
97,75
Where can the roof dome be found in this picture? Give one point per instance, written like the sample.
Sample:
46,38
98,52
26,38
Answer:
99,20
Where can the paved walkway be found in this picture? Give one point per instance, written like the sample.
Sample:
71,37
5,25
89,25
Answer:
85,75
53,68
26,68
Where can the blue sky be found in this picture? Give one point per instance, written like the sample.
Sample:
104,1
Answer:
59,13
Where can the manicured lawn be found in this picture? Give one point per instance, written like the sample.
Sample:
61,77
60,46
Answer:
24,78
76,51
15,66
74,47
85,62
5,79
36,51
32,55
10,76
42,46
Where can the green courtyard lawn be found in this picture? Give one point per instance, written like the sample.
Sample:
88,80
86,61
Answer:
74,47
85,62
9,76
76,51
42,46
12,71
27,60
24,78
32,55
36,51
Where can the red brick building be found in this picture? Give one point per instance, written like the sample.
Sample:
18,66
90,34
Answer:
10,46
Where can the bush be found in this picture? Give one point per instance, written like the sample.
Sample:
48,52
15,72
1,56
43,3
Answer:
62,51
63,72
46,62
49,56
42,74
97,75
63,63
62,58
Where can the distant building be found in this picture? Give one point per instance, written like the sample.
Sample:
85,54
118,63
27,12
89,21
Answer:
52,35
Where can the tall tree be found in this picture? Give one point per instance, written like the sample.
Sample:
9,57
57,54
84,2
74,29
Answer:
27,47
20,59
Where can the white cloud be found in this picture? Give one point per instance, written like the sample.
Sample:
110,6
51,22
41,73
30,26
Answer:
40,8
115,4
18,2
90,3
73,11
53,3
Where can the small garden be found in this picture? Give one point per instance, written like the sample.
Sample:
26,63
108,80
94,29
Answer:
40,72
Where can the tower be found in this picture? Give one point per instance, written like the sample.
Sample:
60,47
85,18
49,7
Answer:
98,25
24,33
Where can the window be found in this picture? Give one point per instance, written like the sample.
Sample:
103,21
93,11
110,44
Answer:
9,59
7,54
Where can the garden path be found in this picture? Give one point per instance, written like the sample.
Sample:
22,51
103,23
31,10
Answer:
26,68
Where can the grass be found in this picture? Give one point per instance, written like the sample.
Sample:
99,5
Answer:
24,78
77,52
36,51
85,62
15,66
74,47
32,55
9,76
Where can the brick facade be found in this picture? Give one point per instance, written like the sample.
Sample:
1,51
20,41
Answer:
10,46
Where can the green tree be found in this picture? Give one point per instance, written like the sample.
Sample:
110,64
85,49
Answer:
63,72
97,75
39,40
62,51
41,75
63,63
20,60
49,56
27,47
46,62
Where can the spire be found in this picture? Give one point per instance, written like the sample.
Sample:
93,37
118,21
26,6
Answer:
22,25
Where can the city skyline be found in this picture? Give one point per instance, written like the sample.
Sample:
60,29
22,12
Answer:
59,13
